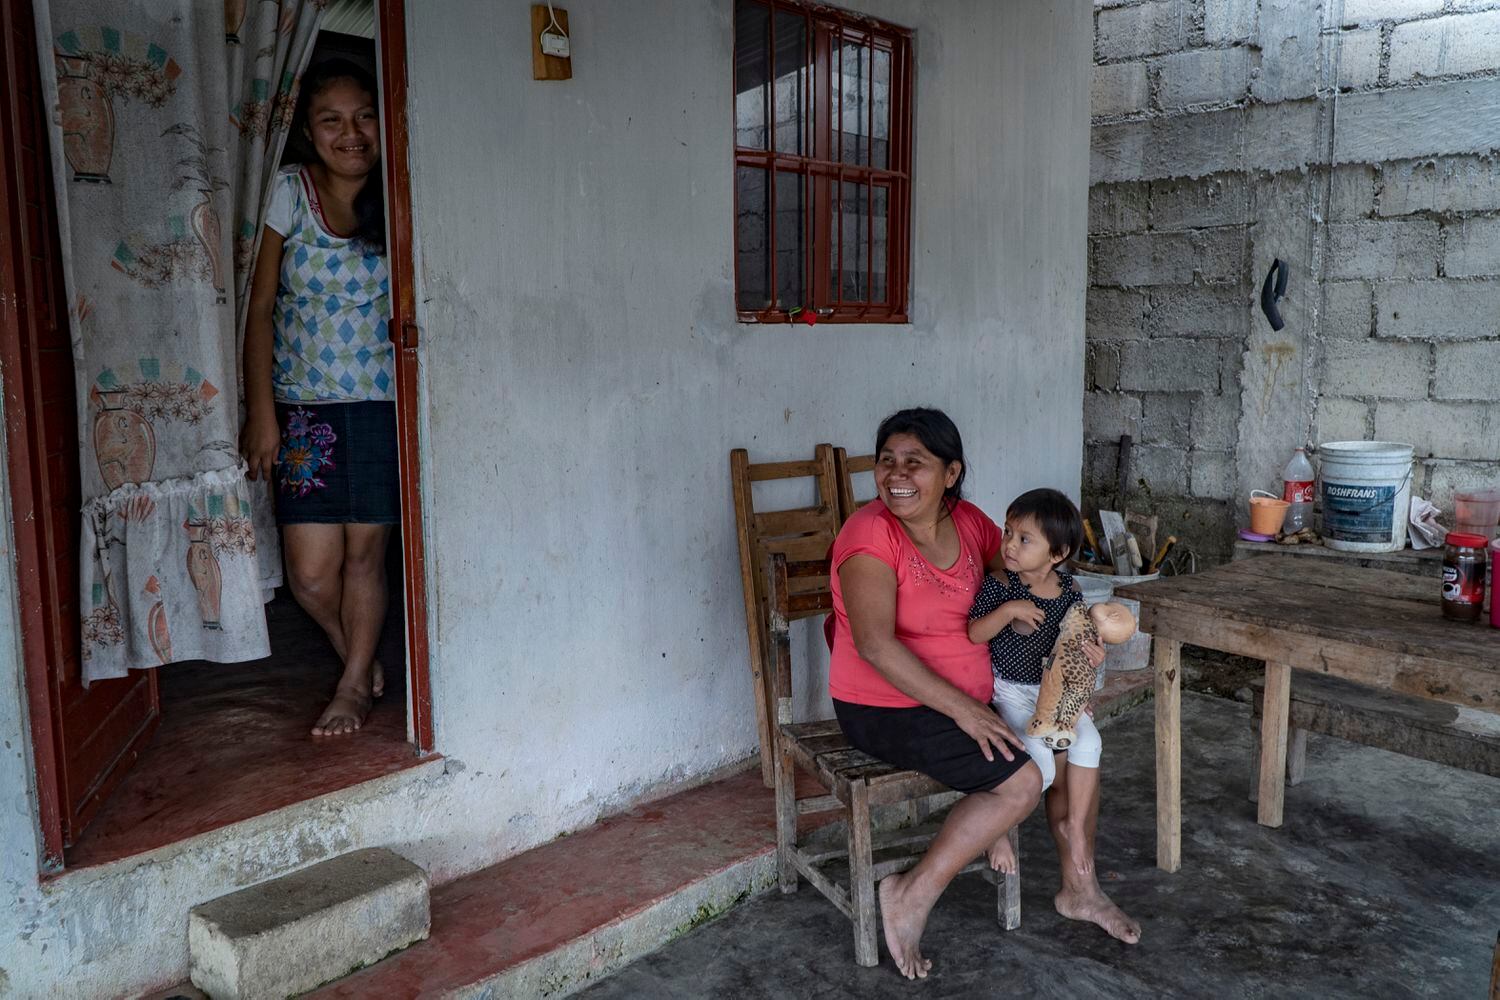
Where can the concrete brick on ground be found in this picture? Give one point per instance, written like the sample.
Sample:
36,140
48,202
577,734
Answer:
1216,421
1366,11
1198,311
1101,368
1145,259
1211,474
1445,46
1342,420
1382,248
1346,310
1164,469
1407,122
1359,58
1230,20
1472,248
1115,314
1119,89
1442,184
1177,365
1203,76
1360,368
1181,203
1141,30
1166,418
1351,192
1447,478
1468,371
1107,415
1438,310
1441,430
1117,208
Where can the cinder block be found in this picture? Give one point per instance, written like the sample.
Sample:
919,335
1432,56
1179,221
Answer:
1119,89
286,936
1181,203
1383,248
1211,474
1146,259
1115,314
1446,184
1360,368
1288,33
1203,76
1472,248
1346,310
1269,137
1343,419
1142,30
1445,46
1177,365
1216,421
1406,122
1468,371
1442,430
1117,208
1366,11
1359,58
1198,311
1230,20
1219,254
1107,415
1164,470
1352,192
1101,368
1166,418
1438,310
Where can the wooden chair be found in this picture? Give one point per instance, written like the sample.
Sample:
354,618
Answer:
799,533
857,782
848,468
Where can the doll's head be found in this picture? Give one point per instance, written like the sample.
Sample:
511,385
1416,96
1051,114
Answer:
1114,622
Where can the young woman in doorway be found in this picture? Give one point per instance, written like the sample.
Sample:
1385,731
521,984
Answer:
320,379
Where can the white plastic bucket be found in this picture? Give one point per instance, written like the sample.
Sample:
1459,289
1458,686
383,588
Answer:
1365,489
1135,652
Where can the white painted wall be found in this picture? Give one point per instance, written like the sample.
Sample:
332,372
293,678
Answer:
584,381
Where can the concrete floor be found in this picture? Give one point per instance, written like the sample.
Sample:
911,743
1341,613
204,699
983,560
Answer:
1384,882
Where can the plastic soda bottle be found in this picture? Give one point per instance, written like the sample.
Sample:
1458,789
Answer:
1297,489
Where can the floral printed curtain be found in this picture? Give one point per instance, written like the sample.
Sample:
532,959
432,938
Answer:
169,119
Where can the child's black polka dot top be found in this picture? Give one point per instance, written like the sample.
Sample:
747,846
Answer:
1019,658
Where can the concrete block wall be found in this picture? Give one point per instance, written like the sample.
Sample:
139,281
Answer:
1356,140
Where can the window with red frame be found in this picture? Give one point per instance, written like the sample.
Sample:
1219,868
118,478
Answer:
822,137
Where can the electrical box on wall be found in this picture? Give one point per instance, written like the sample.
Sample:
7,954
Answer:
551,47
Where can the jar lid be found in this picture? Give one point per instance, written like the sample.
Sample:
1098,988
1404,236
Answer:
1467,541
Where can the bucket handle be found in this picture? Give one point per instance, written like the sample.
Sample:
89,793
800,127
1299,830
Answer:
1264,493
1364,510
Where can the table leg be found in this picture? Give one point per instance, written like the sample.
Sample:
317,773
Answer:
1273,727
1167,666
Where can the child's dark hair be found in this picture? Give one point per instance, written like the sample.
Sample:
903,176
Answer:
937,434
1056,515
369,204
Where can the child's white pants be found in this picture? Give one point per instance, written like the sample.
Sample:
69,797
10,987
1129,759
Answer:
1017,704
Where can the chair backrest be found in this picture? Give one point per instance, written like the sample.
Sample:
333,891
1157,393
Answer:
799,533
797,589
848,468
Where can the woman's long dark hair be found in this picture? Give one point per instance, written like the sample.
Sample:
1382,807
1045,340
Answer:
938,435
369,204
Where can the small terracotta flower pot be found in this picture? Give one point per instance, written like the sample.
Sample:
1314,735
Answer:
1267,512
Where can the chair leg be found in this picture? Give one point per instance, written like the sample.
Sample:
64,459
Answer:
1010,885
1296,757
1254,759
862,877
786,817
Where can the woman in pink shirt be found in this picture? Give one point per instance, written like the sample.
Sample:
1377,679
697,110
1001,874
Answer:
908,685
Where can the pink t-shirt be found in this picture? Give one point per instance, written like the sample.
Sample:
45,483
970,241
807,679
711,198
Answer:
932,605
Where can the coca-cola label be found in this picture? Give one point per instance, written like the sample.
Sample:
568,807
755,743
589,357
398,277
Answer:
1294,492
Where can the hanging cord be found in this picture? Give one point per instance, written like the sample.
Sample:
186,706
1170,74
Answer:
552,25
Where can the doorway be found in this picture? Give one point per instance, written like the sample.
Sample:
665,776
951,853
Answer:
133,764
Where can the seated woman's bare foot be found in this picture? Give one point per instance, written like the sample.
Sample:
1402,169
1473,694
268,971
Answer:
344,714
1079,855
903,928
377,679
1002,858
1095,907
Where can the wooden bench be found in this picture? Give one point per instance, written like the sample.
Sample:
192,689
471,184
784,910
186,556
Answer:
1414,727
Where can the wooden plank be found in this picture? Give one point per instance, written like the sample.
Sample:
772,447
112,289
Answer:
765,471
1167,661
1338,576
545,67
1273,730
1010,891
1296,756
814,729
795,521
786,819
755,623
831,890
818,804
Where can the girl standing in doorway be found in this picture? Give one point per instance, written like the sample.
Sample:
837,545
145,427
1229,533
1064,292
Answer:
320,379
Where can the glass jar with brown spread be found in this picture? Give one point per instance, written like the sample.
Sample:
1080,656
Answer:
1463,576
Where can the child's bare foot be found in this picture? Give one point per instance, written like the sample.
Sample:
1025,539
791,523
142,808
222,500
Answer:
1002,858
377,679
903,928
1079,855
344,714
1094,906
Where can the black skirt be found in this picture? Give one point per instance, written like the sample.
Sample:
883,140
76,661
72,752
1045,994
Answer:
924,740
337,464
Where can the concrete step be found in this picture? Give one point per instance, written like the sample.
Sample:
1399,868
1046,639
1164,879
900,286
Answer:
296,932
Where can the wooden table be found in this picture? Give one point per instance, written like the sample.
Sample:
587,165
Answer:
1376,627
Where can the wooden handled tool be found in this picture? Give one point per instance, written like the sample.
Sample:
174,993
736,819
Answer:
1088,533
1134,549
1161,554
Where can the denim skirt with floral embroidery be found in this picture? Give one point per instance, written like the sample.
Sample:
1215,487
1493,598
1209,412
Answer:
337,464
